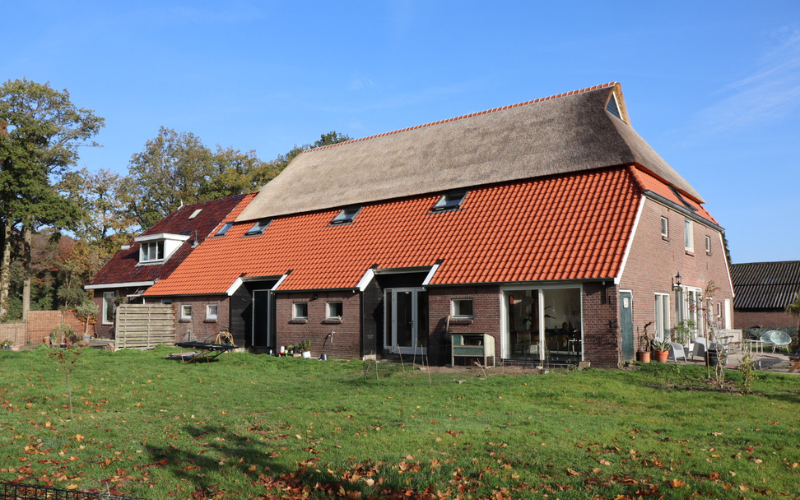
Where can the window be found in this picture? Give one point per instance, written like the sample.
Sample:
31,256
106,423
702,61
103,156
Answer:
211,311
664,227
688,235
613,107
151,250
451,200
186,312
334,310
708,245
224,229
461,308
195,213
108,308
346,215
258,227
166,302
300,310
662,316
543,324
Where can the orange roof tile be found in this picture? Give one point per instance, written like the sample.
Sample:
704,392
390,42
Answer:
648,182
560,228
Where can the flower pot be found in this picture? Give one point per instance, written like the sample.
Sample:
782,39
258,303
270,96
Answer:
661,356
643,356
87,338
307,354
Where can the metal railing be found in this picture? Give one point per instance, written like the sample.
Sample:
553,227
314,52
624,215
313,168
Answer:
17,491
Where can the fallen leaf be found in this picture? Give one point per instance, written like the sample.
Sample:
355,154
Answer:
676,483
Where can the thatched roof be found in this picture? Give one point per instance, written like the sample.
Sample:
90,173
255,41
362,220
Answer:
567,133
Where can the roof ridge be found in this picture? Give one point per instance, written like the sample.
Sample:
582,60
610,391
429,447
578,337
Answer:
470,115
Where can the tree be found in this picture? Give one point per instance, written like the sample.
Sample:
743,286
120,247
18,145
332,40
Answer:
41,133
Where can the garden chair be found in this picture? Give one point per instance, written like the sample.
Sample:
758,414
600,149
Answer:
676,351
776,339
699,348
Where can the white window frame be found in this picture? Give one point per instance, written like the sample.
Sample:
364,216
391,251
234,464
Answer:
708,245
212,316
330,309
664,227
452,200
662,323
147,248
108,302
688,235
455,308
296,312
186,311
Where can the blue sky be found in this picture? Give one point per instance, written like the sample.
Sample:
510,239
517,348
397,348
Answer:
714,87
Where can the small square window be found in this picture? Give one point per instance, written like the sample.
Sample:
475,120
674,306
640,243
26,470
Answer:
451,200
664,227
461,308
300,310
211,311
688,235
258,227
224,229
346,215
166,302
151,251
708,245
186,311
334,310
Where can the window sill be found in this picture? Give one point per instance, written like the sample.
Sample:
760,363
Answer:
185,320
665,238
689,253
461,321
331,321
298,321
209,321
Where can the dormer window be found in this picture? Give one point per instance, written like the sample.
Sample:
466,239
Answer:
346,215
152,250
451,200
258,227
225,228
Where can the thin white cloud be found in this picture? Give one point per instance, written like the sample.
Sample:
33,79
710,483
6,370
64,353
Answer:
360,82
768,94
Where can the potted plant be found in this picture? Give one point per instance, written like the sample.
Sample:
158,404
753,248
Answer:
6,344
305,348
643,354
661,350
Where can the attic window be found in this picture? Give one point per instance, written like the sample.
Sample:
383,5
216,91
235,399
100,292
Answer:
258,227
613,107
683,200
451,200
224,229
195,213
346,215
151,251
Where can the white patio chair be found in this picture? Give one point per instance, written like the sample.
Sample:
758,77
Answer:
676,351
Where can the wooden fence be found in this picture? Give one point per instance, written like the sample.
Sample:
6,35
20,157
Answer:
144,326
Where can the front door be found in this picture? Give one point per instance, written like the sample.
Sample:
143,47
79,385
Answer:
626,324
261,313
406,320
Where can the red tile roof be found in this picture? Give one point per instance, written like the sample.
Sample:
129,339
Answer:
648,182
123,267
570,227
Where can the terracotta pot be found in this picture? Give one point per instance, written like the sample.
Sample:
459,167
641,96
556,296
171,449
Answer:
643,356
661,356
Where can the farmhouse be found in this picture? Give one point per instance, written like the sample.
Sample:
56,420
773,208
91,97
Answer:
763,290
550,225
154,255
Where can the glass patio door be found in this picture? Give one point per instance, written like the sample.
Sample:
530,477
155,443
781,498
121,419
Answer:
406,320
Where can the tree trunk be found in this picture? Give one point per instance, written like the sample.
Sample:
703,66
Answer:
5,266
27,236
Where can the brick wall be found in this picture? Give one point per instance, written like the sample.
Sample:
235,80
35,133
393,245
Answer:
15,332
486,318
344,343
199,327
654,261
766,319
601,328
39,326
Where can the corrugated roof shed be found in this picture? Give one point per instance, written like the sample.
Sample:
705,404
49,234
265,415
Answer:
765,285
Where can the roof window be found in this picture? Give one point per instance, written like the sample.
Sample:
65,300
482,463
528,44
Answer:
258,228
224,229
346,215
451,200
195,213
613,108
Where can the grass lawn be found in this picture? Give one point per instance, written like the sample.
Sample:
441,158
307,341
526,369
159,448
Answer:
250,426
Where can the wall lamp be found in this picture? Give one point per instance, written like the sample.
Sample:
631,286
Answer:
676,284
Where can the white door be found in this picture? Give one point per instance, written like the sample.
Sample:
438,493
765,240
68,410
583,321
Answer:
406,313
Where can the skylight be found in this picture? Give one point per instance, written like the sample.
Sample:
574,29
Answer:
346,215
224,229
195,213
258,227
613,107
451,200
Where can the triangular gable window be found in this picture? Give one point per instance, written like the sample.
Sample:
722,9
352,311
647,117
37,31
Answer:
346,215
224,229
451,200
258,227
613,107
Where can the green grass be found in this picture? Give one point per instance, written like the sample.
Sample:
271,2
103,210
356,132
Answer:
252,426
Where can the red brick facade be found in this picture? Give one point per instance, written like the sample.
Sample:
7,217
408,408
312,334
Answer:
765,319
345,342
200,327
39,326
654,261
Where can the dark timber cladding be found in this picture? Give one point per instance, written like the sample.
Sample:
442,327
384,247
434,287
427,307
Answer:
765,285
243,314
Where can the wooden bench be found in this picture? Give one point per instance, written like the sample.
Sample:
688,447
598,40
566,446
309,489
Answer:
473,345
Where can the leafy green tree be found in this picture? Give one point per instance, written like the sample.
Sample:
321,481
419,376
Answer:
41,131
